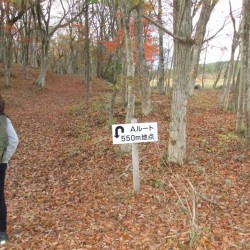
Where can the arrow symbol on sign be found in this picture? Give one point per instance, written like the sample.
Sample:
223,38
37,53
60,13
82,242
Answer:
117,130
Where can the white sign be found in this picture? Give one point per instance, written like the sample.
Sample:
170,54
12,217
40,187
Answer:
135,133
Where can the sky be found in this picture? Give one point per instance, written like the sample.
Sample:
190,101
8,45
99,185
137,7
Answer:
215,51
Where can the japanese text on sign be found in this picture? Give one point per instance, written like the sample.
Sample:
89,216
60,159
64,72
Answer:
135,133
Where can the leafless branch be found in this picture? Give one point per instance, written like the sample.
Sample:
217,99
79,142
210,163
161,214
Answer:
180,39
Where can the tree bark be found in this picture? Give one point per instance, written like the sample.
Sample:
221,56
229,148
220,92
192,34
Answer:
161,81
182,57
130,69
44,59
234,101
226,90
206,10
219,65
246,44
86,53
141,66
203,70
244,97
6,66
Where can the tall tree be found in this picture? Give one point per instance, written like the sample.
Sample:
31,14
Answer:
227,86
26,40
161,81
186,60
106,29
86,52
130,74
207,7
245,65
10,14
43,12
141,65
182,59
244,38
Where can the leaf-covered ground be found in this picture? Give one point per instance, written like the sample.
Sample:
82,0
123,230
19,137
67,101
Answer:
69,187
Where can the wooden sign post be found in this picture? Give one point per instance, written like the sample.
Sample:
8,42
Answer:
135,133
135,161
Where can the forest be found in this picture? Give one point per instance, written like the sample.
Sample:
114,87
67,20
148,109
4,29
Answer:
70,69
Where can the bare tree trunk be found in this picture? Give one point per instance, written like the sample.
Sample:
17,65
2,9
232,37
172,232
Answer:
6,46
231,103
234,101
86,53
70,63
203,70
26,34
6,68
243,86
130,69
114,89
246,44
225,95
161,81
170,73
224,98
206,10
123,82
182,57
44,58
34,51
218,75
240,103
112,103
141,66
236,70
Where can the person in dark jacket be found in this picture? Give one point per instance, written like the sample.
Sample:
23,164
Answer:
8,145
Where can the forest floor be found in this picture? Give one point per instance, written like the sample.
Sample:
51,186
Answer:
69,187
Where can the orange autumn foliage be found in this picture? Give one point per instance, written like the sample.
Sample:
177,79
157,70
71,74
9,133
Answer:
116,43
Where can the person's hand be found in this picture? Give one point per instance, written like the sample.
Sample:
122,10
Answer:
3,166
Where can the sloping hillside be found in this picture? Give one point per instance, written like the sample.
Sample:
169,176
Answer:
68,187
